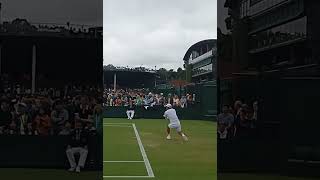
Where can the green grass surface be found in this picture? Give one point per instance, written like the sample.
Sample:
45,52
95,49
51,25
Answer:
170,159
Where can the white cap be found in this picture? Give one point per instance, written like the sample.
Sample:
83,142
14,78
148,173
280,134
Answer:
168,105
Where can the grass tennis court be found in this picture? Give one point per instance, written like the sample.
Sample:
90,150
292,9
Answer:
138,149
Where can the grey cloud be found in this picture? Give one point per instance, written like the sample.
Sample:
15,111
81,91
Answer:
152,32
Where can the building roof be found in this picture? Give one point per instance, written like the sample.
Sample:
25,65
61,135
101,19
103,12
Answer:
198,45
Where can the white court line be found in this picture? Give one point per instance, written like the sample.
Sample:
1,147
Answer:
143,152
123,161
127,177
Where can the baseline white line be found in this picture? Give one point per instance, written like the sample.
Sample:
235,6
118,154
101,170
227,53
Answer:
123,161
143,152
127,177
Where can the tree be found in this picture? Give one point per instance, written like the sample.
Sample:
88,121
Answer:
171,74
162,72
181,74
109,67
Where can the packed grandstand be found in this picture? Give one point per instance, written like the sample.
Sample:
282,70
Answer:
145,97
50,111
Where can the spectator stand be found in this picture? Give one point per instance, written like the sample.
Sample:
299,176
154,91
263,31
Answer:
115,103
36,127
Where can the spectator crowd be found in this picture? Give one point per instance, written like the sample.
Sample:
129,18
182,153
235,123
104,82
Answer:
237,121
49,111
146,98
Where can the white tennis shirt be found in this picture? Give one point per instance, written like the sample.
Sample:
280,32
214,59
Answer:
171,114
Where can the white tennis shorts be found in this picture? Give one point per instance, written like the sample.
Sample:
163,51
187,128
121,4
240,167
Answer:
175,126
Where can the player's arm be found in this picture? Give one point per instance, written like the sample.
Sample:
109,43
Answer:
165,115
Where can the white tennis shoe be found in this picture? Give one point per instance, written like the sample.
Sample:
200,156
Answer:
169,137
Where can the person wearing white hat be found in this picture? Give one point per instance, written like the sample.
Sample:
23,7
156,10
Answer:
171,115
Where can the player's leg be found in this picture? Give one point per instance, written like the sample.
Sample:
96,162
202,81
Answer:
179,131
168,132
132,114
83,156
128,114
70,155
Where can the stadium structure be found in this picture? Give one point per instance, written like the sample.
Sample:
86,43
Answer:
38,55
44,55
125,77
273,57
200,63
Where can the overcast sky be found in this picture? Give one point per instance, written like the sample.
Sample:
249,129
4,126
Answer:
88,12
155,32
